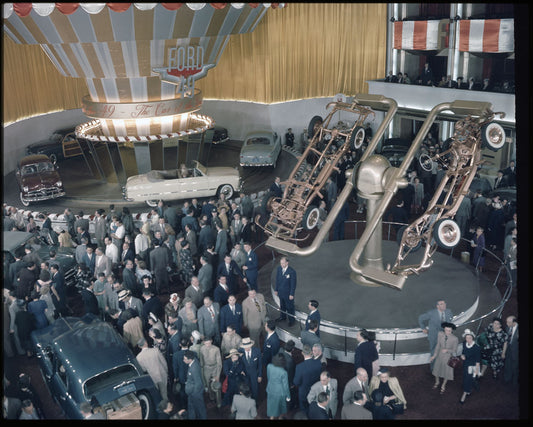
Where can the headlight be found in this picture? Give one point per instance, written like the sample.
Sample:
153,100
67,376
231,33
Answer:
25,189
59,184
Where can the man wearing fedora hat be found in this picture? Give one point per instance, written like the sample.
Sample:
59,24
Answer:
126,300
251,357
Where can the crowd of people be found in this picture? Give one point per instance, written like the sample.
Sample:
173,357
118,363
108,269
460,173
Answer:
181,288
428,78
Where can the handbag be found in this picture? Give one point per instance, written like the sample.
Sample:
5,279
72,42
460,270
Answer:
454,362
397,408
225,385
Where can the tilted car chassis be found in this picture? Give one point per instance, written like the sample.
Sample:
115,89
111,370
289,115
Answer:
327,146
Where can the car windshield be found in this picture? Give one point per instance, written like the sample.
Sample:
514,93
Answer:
258,141
28,169
108,379
45,167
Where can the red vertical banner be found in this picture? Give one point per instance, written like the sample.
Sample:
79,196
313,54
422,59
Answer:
398,29
420,35
491,35
464,35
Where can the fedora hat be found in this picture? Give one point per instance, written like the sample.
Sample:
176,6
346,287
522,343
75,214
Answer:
123,294
232,352
247,342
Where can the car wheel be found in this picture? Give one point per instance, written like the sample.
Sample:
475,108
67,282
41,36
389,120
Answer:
311,216
227,190
446,233
53,158
492,136
147,406
24,202
357,138
314,124
412,240
425,162
151,203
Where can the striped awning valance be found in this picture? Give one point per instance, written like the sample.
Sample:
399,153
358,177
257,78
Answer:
421,35
486,35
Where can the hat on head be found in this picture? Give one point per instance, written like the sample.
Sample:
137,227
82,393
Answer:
447,325
247,342
468,332
123,294
174,297
153,317
184,243
382,370
232,352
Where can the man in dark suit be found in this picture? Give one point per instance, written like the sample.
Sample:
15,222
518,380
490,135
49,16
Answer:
314,314
222,292
306,374
309,336
89,259
90,303
205,276
246,230
231,314
275,188
510,174
194,388
251,357
271,344
59,290
231,271
251,266
159,260
152,304
126,254
129,280
318,409
510,369
500,181
285,289
27,278
205,237
221,244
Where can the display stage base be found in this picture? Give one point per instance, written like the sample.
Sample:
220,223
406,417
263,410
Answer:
346,306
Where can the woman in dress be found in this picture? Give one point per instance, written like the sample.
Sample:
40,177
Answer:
366,353
471,363
496,344
385,392
235,374
278,392
188,315
478,243
446,347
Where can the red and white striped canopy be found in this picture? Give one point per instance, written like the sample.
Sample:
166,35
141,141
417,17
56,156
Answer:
486,35
421,35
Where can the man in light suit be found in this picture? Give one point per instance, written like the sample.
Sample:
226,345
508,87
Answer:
126,300
285,289
236,228
251,266
209,319
254,314
194,388
238,255
430,323
205,276
89,259
510,355
357,383
102,263
251,357
155,364
355,409
327,385
194,292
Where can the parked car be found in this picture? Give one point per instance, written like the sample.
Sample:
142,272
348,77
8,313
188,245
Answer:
15,241
86,360
173,185
260,148
62,144
395,149
38,179
220,135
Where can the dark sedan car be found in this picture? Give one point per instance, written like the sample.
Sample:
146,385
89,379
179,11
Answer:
62,144
38,179
86,360
395,149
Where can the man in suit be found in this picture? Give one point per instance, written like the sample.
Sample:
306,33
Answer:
190,220
306,374
205,237
318,409
231,271
357,383
153,362
209,320
251,357
510,355
238,255
285,289
194,292
251,266
152,304
222,291
159,260
100,227
59,290
500,181
355,408
221,244
430,322
275,188
510,174
205,276
126,300
236,228
90,303
14,270
190,236
246,232
102,263
329,386
309,336
314,314
254,314
126,254
129,279
271,345
194,388
231,314
89,259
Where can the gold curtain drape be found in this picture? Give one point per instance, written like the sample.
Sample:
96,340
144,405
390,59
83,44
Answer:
305,50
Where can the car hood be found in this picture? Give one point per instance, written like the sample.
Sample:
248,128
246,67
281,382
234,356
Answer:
38,180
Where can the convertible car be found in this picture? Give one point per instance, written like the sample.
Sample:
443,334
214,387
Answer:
86,360
260,148
177,184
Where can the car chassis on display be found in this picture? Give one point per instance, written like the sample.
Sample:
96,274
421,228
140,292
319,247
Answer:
329,141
